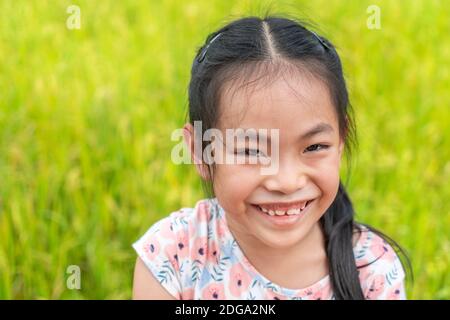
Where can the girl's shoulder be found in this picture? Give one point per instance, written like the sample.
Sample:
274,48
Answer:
369,246
379,267
183,220
182,238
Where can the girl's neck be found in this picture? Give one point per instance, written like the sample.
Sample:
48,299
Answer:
282,266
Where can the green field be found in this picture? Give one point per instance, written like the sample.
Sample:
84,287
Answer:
86,117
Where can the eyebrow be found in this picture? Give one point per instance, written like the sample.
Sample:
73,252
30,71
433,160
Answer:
321,127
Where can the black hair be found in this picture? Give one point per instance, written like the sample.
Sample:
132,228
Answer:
271,45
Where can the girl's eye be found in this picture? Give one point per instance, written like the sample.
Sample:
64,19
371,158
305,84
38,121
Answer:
316,147
250,152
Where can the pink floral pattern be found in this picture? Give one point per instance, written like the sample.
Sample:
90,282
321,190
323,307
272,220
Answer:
214,291
193,255
239,280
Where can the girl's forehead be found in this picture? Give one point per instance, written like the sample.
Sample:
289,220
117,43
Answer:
281,103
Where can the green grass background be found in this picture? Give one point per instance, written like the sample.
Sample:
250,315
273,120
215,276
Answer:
86,117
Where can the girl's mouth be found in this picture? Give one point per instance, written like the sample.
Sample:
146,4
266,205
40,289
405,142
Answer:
280,210
285,216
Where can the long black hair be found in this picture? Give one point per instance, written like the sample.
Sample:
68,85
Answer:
277,44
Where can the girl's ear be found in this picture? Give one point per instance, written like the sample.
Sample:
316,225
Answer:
341,147
343,139
196,155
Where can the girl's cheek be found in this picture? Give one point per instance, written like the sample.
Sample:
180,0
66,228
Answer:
237,179
327,171
327,178
237,173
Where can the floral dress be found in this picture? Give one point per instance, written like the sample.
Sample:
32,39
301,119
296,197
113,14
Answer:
193,255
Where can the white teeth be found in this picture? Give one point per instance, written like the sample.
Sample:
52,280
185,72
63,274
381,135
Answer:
289,212
293,211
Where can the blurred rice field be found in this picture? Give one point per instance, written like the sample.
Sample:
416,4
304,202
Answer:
86,118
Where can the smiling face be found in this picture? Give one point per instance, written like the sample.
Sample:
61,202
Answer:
308,165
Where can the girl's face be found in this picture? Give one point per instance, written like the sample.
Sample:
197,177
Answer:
306,171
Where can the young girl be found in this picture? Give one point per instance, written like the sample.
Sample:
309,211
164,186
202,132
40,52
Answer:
289,234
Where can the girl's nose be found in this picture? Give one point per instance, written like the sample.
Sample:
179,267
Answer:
290,177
